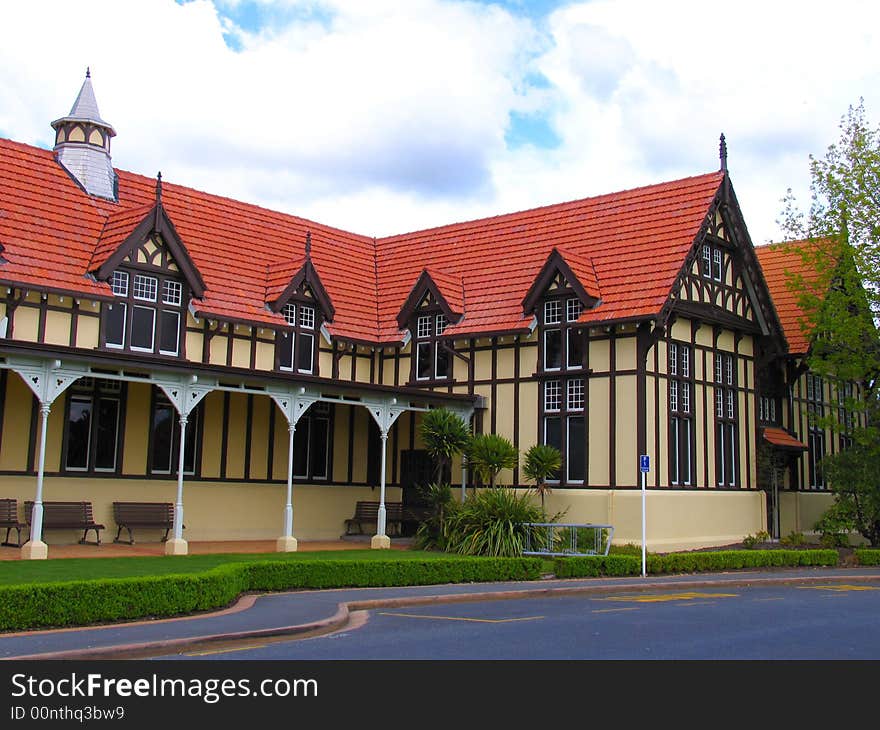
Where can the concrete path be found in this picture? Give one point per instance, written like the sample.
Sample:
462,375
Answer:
305,613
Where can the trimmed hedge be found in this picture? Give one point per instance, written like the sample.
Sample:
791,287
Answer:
868,556
80,603
608,565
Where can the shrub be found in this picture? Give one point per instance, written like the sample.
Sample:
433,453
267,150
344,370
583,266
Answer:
491,523
590,566
867,556
751,541
489,453
78,603
431,530
834,527
793,539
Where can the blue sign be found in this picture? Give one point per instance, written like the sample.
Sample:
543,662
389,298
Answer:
644,463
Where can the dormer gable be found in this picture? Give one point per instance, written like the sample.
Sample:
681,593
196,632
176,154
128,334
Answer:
434,289
144,237
564,271
297,280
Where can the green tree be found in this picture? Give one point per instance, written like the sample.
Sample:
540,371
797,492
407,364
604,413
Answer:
542,461
444,434
489,453
840,299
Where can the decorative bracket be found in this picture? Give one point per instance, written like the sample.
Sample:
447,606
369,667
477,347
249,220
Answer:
295,403
186,392
46,378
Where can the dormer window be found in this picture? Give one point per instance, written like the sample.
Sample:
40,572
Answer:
713,262
146,315
562,343
431,355
296,346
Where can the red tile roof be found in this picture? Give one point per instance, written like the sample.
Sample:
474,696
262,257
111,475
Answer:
628,245
778,261
782,438
636,239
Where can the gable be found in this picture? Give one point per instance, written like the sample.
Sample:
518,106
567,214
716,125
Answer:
153,242
721,280
564,272
434,289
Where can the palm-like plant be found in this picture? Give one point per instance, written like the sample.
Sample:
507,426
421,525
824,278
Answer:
444,435
489,453
542,461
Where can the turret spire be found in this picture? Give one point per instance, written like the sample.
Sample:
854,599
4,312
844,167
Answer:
82,144
722,152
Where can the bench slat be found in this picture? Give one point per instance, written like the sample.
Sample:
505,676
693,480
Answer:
67,515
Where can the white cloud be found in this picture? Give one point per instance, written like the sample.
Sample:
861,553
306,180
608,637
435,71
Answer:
382,117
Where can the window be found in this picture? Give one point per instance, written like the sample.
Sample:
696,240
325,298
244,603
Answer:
767,409
165,437
565,426
296,346
712,263
681,455
91,439
430,350
146,315
846,416
311,443
562,342
726,429
816,433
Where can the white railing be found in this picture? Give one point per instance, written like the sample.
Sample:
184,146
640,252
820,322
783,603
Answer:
554,538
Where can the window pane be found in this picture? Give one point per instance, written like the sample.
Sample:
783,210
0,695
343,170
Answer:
552,395
575,358
716,261
423,360
685,451
707,261
552,349
673,358
163,428
577,446
79,429
116,324
172,292
673,450
575,395
305,345
573,309
192,449
284,343
170,333
119,283
319,447
143,321
307,317
553,435
145,287
301,448
107,433
553,312
442,355
289,312
423,326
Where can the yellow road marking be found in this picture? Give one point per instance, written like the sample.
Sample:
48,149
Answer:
615,610
658,598
841,588
224,651
779,598
461,618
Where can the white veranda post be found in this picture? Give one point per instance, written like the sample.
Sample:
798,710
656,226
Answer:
47,379
293,406
384,413
185,394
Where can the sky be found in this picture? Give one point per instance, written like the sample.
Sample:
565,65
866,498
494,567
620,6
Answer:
387,116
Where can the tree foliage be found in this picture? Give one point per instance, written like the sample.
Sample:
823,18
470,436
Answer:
444,434
489,453
838,289
542,461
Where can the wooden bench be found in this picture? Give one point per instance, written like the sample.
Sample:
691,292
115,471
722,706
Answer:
67,515
9,520
368,513
159,515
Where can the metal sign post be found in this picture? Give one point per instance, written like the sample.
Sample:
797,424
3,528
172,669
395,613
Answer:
644,467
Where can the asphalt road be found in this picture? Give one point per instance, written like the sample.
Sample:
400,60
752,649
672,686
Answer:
813,621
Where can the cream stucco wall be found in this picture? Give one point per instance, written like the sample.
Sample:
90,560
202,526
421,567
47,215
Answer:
212,510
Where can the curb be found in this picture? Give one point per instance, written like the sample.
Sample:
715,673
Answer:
346,609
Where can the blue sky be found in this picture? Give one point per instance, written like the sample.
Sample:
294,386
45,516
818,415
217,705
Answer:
380,117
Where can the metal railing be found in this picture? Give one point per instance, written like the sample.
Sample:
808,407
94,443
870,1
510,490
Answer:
554,538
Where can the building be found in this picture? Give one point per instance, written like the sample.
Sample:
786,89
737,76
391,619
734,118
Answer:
156,336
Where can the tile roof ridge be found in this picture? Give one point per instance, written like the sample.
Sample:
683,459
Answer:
715,174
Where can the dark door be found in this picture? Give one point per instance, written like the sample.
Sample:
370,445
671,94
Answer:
416,470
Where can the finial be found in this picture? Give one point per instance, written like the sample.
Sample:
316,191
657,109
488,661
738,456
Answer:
308,244
722,151
158,186
88,73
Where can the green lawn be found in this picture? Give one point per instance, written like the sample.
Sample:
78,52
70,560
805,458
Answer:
15,572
